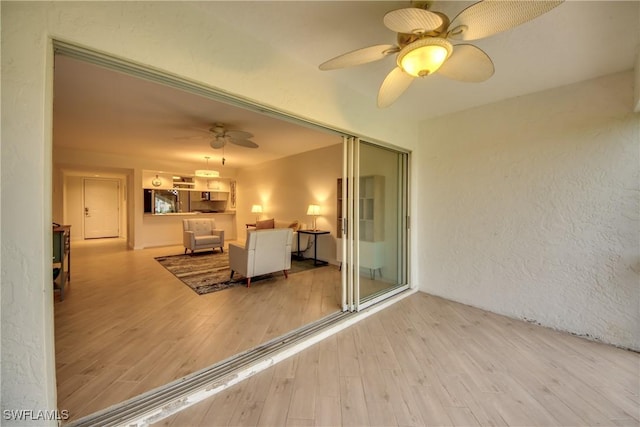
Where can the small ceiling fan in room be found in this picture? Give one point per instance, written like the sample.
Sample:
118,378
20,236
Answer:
221,136
424,42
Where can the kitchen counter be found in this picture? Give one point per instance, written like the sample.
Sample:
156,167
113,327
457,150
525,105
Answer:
190,213
166,229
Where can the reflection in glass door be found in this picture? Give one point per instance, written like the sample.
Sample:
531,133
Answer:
377,257
382,222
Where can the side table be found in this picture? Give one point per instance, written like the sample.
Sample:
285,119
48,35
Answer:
315,234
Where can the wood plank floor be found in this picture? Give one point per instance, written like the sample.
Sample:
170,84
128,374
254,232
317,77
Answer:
429,361
127,325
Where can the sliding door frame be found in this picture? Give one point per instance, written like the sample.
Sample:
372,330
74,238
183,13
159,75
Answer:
350,232
350,273
350,226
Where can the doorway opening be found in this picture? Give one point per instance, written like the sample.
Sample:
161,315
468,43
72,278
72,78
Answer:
193,330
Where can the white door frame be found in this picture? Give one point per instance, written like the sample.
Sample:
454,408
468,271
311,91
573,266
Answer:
350,241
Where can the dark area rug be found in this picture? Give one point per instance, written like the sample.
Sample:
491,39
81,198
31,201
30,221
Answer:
207,272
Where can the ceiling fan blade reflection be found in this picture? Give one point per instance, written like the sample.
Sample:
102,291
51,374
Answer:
488,17
412,20
217,143
203,133
193,137
467,63
394,85
359,56
238,134
243,143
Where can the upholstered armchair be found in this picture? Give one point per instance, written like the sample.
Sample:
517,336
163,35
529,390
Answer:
201,233
265,251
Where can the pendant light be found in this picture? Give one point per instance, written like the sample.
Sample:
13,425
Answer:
207,173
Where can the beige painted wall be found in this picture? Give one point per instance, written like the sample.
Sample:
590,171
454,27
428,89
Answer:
302,179
68,162
286,187
529,208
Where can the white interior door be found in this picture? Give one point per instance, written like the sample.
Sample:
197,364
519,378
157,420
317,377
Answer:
101,208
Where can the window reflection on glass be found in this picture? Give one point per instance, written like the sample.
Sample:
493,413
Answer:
169,201
160,202
382,215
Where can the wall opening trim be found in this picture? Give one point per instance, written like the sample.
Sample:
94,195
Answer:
168,79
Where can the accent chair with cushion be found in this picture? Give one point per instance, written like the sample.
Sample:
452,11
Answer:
265,251
201,233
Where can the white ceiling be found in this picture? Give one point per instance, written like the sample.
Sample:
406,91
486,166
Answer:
98,109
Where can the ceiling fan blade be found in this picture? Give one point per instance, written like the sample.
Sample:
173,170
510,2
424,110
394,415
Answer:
238,134
359,56
467,63
489,17
243,143
394,85
217,143
412,20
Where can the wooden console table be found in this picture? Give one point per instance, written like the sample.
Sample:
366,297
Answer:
62,255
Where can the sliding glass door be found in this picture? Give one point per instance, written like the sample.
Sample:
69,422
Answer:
374,223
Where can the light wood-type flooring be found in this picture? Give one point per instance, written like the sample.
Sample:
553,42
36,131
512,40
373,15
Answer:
429,361
127,325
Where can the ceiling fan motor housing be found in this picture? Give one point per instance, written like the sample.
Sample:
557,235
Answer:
218,130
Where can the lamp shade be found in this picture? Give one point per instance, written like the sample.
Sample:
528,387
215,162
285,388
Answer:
313,210
256,209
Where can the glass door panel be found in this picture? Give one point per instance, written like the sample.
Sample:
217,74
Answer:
373,224
382,227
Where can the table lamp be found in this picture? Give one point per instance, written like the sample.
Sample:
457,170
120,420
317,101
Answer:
313,211
256,209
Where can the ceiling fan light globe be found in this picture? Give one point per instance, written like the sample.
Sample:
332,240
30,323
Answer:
423,57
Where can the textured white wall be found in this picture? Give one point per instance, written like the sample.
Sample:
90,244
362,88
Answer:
529,208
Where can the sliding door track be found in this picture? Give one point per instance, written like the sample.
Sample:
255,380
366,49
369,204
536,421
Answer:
165,400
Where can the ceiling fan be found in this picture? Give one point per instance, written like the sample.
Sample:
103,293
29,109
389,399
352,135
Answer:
221,136
423,45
